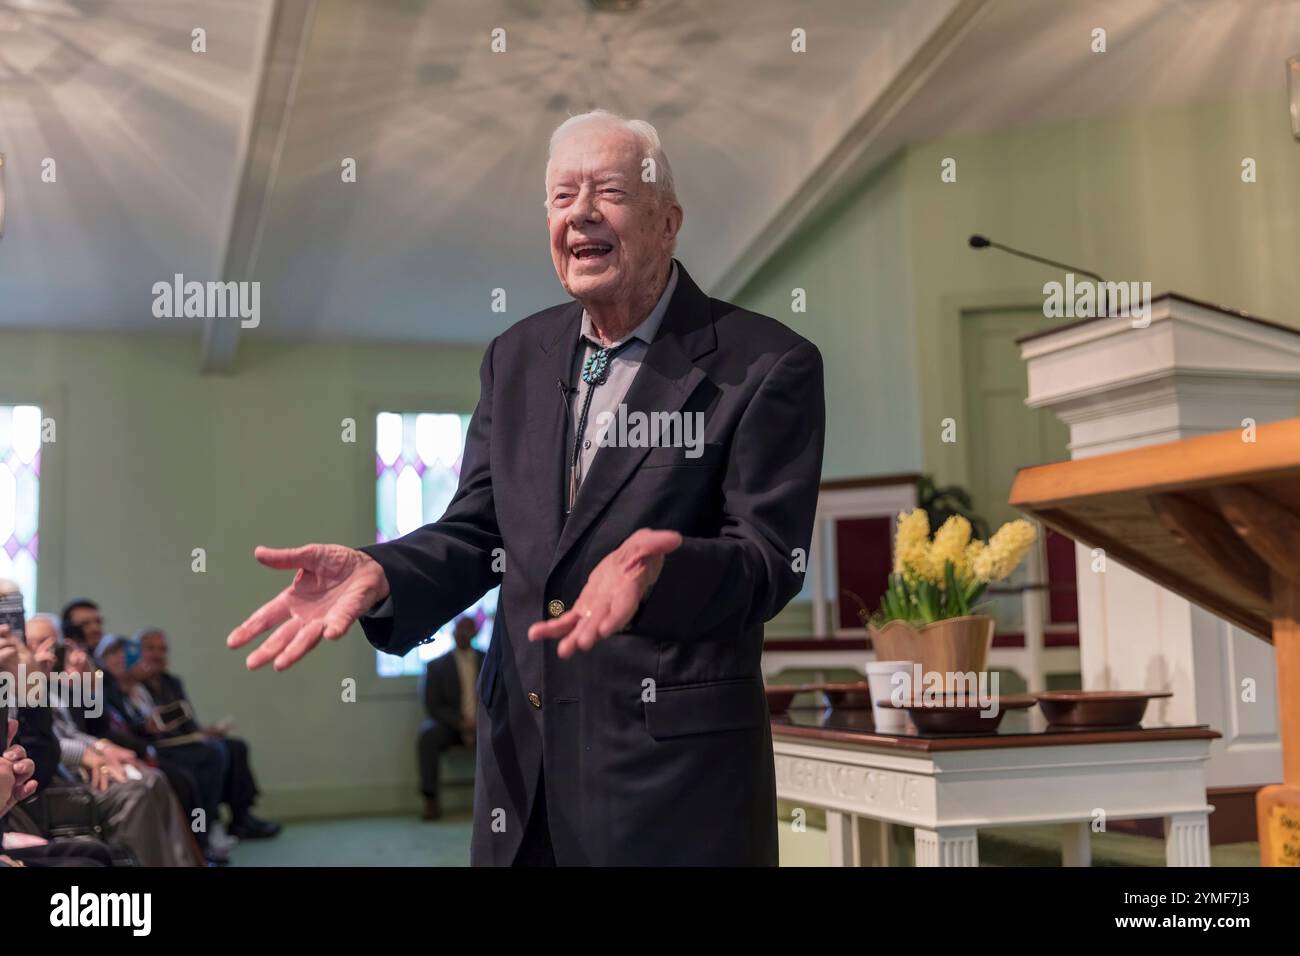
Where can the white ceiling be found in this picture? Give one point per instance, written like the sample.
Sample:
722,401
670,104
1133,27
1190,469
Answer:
450,138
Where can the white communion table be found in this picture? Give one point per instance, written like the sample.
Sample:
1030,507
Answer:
947,786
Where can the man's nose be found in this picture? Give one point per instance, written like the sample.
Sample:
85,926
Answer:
584,209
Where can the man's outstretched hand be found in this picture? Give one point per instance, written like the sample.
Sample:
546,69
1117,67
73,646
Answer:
612,593
333,587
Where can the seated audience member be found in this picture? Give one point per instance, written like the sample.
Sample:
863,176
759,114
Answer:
449,691
82,623
136,724
134,801
165,690
98,719
35,752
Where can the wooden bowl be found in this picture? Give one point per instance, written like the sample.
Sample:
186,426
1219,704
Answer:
1096,708
963,718
853,695
779,696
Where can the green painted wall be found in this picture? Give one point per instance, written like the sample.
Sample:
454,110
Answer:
1155,197
852,265
152,460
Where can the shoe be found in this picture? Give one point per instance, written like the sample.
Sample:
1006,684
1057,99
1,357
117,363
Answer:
249,827
432,810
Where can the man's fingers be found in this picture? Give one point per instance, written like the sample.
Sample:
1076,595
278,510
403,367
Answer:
271,614
336,625
556,627
650,542
273,645
307,638
285,559
10,733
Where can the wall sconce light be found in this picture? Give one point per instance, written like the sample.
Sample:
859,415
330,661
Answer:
1293,84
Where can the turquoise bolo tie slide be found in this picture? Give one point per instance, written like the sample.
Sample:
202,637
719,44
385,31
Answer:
596,368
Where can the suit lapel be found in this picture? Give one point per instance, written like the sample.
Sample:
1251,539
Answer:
667,377
548,414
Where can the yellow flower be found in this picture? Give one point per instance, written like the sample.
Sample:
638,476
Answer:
1006,549
950,543
912,545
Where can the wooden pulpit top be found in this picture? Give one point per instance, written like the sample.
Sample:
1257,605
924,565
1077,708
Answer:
1180,513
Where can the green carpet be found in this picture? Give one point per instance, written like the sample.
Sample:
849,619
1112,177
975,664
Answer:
362,841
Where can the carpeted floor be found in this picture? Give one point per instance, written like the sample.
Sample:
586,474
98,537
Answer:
406,841
362,841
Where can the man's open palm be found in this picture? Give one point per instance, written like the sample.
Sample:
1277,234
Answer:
333,587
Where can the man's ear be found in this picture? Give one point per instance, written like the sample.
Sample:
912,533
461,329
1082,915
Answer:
673,218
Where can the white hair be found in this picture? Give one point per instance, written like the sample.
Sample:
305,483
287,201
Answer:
53,621
643,131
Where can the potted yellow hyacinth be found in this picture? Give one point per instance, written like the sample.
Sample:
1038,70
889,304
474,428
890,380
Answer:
928,613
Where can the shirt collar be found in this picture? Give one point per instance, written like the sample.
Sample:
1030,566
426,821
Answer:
649,326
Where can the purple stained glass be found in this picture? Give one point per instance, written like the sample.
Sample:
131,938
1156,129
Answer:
12,547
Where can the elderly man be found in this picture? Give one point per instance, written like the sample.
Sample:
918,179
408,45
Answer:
629,726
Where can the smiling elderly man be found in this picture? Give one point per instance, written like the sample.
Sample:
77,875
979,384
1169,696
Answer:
621,710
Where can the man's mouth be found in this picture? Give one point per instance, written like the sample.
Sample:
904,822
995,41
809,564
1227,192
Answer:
585,251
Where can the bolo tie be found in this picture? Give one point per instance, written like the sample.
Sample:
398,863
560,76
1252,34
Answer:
595,372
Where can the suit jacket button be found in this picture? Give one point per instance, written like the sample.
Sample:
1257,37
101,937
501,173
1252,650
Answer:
535,700
555,608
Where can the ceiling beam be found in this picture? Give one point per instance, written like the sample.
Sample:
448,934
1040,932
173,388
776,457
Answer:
287,36
856,152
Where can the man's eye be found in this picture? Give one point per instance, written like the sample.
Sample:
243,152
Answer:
612,191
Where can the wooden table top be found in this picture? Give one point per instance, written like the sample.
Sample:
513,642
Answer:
1115,502
1018,729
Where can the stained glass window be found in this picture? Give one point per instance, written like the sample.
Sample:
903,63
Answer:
417,468
20,482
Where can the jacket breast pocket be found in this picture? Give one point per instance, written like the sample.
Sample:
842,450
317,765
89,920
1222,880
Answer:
704,708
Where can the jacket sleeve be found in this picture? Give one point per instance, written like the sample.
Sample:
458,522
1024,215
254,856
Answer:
437,571
747,574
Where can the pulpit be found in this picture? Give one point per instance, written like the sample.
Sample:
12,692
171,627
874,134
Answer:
1216,520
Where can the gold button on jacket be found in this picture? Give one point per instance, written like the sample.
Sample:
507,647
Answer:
535,700
555,608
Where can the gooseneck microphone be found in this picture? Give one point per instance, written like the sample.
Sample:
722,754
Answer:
983,242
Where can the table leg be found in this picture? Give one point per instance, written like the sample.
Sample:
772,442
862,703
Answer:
1187,839
948,846
843,839
1076,844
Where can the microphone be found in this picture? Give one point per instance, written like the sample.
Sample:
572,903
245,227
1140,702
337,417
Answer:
983,242
565,392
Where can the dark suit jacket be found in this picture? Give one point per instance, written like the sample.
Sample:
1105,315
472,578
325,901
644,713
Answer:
656,744
440,688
